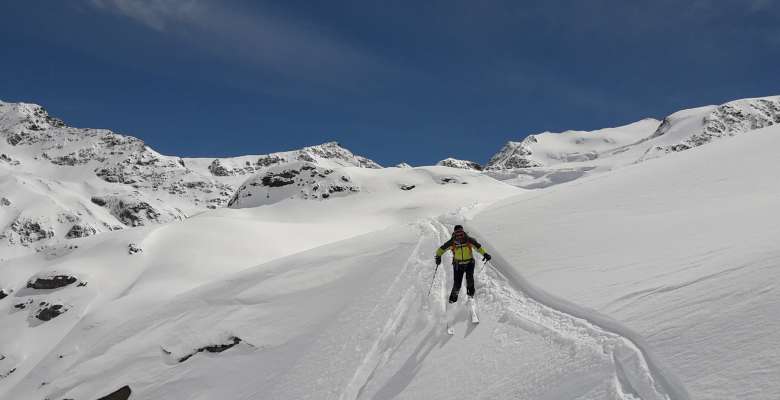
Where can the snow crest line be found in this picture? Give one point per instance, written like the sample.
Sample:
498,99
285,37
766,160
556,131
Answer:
637,374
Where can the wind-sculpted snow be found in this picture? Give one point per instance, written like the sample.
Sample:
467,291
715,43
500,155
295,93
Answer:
636,373
511,320
681,250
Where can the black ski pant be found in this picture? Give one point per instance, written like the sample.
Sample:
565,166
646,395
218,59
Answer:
457,274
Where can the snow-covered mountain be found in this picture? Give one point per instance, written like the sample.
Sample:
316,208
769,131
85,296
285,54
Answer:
547,159
548,149
62,182
309,274
462,164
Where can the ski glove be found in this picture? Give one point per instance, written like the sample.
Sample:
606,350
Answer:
486,257
438,260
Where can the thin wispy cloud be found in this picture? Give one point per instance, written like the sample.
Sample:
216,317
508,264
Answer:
156,14
294,49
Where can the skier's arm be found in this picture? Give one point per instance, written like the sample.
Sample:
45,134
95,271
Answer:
480,249
443,248
478,246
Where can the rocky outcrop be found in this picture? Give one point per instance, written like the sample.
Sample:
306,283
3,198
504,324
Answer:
133,248
514,155
80,231
8,160
122,393
132,210
333,151
461,164
26,231
48,282
217,169
116,159
214,348
301,180
47,311
686,129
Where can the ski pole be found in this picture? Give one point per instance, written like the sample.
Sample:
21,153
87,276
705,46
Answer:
433,280
484,265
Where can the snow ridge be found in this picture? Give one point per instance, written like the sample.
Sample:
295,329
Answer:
637,374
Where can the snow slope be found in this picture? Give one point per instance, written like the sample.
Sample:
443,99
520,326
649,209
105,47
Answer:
549,159
681,250
653,281
120,278
308,299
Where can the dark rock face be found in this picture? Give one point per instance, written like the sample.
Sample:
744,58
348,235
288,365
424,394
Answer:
9,160
79,231
407,187
217,348
22,306
51,282
30,231
83,156
130,214
50,311
462,164
132,211
4,202
122,393
280,179
3,294
218,169
269,160
98,200
514,155
132,248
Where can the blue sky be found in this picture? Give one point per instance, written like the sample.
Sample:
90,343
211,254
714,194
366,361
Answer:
394,81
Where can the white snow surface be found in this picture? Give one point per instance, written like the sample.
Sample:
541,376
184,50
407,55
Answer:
654,279
682,251
548,159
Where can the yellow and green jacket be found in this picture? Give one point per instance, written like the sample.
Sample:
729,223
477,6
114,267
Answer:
461,251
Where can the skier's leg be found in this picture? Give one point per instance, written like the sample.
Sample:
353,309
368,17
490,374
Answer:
470,290
457,281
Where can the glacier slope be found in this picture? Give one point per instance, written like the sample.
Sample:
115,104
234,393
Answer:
682,250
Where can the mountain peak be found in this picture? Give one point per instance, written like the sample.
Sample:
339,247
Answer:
462,164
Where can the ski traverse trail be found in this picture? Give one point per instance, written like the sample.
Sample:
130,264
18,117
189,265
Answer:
525,346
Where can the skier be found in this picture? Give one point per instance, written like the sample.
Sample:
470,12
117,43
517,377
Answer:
462,260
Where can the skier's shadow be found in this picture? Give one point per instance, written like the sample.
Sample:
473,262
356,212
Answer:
404,376
463,315
470,328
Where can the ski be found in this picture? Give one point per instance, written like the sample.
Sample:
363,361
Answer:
473,309
448,317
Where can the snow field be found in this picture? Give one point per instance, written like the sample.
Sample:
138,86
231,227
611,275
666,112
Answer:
681,250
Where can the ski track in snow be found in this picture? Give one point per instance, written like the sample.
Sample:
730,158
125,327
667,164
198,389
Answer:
634,377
